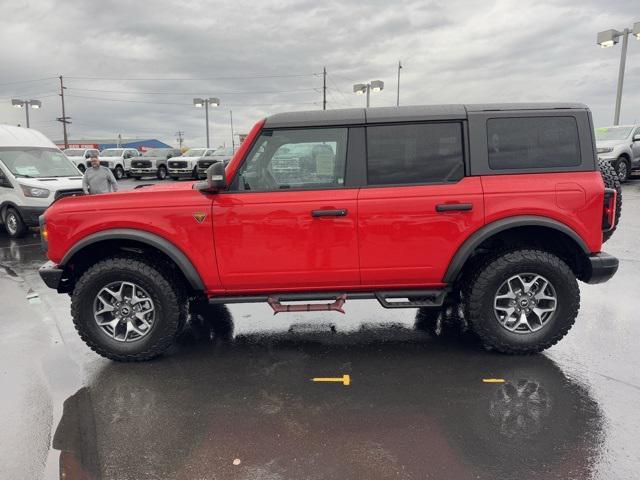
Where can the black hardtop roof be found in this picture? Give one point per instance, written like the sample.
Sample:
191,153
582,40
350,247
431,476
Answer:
359,116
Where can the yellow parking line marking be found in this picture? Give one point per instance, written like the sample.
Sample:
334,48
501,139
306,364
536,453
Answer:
345,379
493,380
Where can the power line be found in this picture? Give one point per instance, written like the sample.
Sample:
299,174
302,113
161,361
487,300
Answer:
28,81
188,104
183,79
189,93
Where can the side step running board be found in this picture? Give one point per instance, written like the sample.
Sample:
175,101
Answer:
388,299
336,306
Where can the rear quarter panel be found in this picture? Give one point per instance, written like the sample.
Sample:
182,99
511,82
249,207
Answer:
574,199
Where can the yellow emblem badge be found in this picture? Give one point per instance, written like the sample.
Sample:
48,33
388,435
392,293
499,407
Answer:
199,216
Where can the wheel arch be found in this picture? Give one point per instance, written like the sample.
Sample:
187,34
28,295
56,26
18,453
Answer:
558,237
134,240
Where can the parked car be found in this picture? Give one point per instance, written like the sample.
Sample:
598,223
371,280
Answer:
223,154
186,166
33,174
79,156
493,210
620,145
118,160
153,162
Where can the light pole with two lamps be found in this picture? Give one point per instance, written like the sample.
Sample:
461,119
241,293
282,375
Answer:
609,38
26,104
200,102
365,88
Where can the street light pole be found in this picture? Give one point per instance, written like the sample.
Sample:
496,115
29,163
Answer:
26,104
206,119
365,88
623,61
609,38
199,103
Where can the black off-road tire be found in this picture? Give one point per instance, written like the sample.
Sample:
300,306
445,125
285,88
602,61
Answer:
164,288
611,180
13,223
118,172
482,285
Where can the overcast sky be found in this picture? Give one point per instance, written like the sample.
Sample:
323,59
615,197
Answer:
133,67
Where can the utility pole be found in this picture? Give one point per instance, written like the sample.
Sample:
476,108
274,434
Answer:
324,88
233,142
398,97
119,140
180,138
63,119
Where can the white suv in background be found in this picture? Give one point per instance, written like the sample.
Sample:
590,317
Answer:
187,165
79,156
118,160
34,173
620,145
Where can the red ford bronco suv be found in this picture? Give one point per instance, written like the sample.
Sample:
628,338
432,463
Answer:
495,209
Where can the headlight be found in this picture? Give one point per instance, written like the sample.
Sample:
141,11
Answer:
35,191
604,149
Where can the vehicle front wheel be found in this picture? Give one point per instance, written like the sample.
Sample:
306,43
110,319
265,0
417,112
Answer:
82,168
118,173
521,302
195,173
14,224
162,172
127,309
623,168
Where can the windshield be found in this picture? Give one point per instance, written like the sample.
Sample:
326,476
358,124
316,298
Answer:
74,152
194,152
154,152
613,133
116,152
224,151
37,162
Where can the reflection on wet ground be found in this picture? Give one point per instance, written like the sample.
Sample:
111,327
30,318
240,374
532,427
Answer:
237,388
415,405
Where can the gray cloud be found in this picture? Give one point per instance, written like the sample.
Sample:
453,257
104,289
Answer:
456,51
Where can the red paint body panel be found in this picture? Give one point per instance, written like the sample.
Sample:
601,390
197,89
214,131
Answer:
270,240
166,212
574,199
402,237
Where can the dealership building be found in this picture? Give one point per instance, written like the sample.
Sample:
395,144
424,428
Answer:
141,144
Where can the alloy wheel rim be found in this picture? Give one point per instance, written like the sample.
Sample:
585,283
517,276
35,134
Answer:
12,223
622,170
525,303
124,311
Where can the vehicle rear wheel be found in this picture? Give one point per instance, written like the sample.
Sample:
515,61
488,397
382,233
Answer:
623,168
195,173
127,309
118,172
610,179
162,172
522,302
14,224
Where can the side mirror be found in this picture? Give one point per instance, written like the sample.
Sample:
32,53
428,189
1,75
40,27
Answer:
216,179
636,138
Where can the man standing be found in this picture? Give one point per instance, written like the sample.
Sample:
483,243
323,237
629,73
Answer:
98,179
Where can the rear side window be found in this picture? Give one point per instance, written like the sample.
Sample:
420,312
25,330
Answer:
533,142
414,153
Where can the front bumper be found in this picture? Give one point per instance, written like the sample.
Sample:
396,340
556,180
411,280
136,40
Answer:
30,215
602,267
143,170
51,274
181,172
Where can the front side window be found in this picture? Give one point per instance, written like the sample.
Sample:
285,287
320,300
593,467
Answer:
533,142
414,154
295,159
37,162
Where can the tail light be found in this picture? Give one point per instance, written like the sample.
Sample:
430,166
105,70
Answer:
609,209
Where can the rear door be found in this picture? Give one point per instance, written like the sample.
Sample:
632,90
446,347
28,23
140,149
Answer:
418,206
288,221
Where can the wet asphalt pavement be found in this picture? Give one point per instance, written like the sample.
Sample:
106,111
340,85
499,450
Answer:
237,387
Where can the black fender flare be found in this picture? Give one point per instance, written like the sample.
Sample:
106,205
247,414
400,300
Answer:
479,236
151,239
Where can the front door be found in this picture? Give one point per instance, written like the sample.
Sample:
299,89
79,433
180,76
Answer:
288,221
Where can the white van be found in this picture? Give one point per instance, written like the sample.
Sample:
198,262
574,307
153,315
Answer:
33,174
